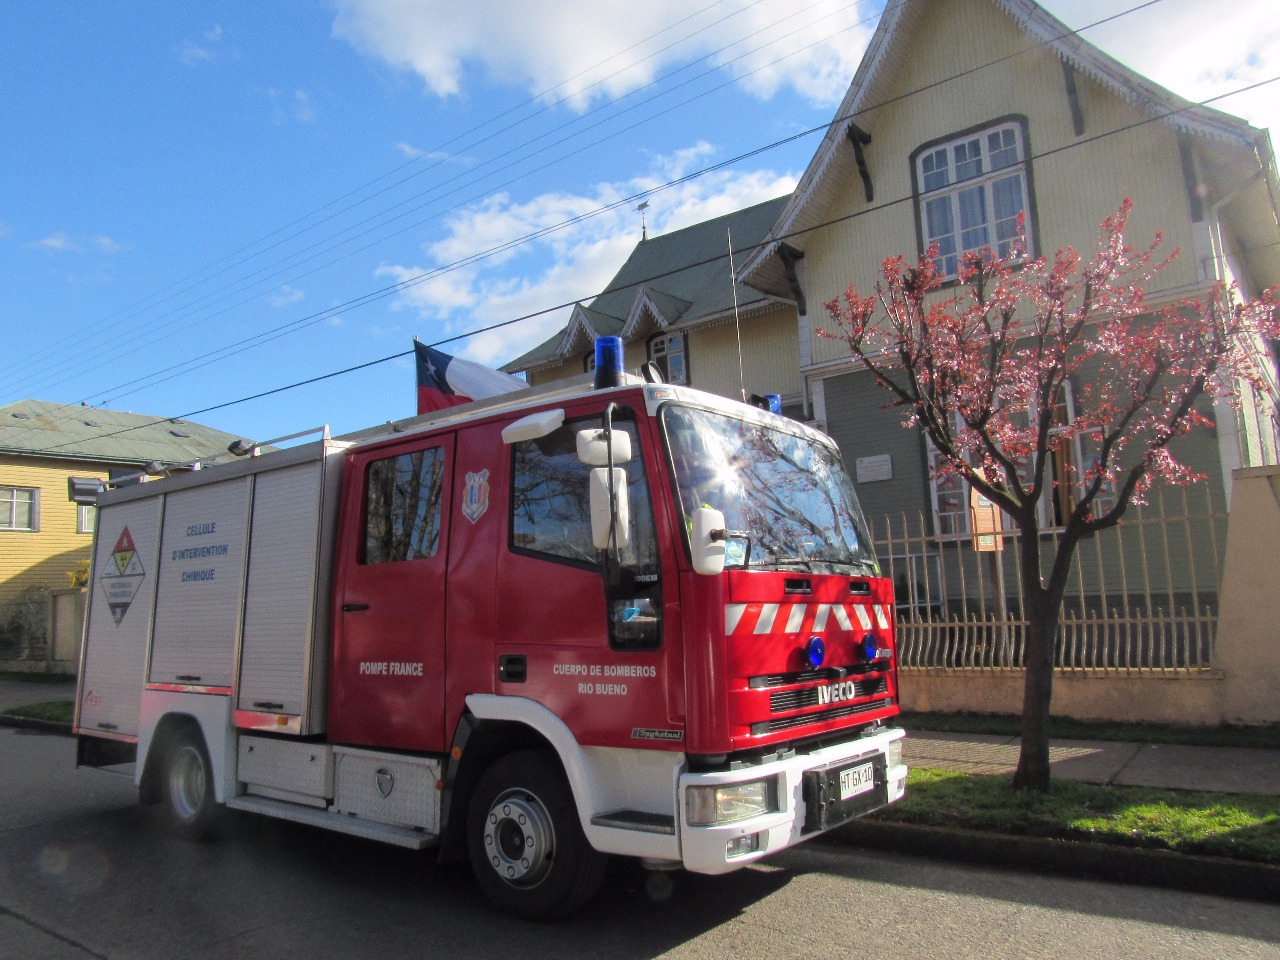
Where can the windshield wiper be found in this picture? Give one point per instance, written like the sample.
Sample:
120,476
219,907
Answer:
782,561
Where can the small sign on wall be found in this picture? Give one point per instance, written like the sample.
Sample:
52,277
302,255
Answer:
873,469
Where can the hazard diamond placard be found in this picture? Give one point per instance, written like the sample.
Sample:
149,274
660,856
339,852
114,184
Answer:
122,577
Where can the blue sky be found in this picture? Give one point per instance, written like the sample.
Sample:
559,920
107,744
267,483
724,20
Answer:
205,201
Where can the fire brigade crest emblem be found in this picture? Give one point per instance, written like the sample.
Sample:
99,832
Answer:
475,495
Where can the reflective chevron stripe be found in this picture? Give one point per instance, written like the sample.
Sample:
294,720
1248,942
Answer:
755,619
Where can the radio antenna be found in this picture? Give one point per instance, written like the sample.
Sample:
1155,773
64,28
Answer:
737,324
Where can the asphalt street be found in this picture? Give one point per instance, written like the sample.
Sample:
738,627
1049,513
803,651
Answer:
85,872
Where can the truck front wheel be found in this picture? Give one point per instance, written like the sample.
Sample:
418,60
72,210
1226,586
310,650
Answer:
188,786
526,845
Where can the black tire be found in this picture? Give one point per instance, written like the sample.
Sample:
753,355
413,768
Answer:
188,785
527,847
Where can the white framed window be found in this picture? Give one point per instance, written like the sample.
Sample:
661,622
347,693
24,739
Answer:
670,352
970,192
86,517
19,508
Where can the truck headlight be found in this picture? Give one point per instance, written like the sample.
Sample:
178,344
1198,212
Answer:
708,806
893,753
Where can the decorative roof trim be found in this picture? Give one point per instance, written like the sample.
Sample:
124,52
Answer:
1143,94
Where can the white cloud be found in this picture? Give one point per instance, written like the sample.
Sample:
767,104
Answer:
295,105
1196,50
569,264
417,153
105,244
193,54
62,242
285,296
57,243
588,49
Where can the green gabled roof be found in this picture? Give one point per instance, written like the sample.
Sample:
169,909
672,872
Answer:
69,432
693,264
685,273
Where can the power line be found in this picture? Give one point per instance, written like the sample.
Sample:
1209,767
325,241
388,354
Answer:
267,336
70,367
790,236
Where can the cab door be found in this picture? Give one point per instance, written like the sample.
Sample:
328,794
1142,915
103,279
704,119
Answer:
387,686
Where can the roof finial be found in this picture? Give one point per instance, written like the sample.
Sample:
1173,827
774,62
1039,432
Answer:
644,230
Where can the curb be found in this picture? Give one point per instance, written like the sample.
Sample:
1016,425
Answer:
31,723
1242,879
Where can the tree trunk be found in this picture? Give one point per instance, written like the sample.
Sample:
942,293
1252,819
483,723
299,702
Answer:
1042,628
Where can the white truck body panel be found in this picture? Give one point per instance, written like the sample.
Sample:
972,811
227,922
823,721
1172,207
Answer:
280,670
190,607
121,604
200,584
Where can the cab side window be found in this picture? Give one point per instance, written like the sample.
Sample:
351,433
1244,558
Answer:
551,511
402,507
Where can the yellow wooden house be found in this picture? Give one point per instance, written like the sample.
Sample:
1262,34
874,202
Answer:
964,116
53,459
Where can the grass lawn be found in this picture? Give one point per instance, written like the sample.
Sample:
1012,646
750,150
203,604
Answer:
1064,728
1212,824
58,711
24,677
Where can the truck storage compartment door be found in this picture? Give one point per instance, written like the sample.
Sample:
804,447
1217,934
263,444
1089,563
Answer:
276,657
387,688
121,600
201,585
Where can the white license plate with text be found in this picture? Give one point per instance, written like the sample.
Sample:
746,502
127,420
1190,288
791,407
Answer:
857,780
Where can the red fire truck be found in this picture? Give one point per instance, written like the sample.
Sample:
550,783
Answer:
531,631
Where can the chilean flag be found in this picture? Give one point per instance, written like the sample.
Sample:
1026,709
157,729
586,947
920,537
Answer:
445,381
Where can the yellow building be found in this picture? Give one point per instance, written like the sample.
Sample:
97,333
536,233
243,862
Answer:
965,116
53,459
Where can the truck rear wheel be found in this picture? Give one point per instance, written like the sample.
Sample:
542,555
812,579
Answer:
188,786
527,848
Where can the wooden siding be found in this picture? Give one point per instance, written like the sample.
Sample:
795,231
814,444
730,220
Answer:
770,360
43,558
1072,189
770,355
862,428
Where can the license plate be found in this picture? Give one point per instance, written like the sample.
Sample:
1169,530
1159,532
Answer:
857,780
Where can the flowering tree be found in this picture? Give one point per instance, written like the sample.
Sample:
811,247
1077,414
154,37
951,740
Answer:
983,371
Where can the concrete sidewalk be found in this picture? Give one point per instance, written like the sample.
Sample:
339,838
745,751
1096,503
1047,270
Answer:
1225,769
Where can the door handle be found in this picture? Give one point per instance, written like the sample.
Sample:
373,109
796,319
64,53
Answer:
353,607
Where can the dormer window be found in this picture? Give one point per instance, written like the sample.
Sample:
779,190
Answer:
670,352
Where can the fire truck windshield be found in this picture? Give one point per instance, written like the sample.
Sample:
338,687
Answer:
785,498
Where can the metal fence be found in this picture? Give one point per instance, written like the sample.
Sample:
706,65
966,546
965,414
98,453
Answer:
1142,596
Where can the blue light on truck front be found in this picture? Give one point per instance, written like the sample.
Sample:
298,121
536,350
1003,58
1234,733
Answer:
815,652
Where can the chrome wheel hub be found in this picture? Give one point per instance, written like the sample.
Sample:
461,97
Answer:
519,839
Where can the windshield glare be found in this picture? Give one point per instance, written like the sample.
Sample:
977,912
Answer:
787,495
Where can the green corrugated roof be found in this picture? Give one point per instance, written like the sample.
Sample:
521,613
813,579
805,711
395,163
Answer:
67,431
686,272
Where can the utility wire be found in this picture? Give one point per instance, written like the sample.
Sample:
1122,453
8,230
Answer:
470,175
267,335
876,208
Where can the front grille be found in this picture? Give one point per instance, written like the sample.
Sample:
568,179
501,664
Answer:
784,701
834,713
813,676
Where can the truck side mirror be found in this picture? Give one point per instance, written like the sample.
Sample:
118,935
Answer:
594,451
708,554
602,514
